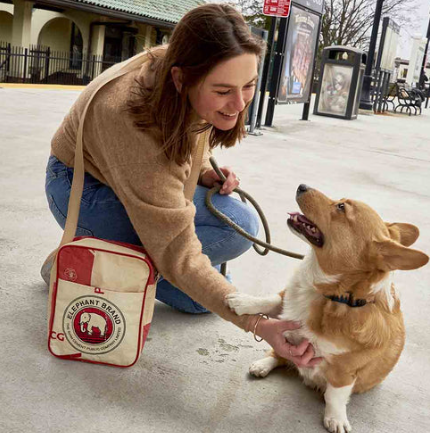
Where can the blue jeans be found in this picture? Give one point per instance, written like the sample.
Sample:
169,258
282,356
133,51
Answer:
102,215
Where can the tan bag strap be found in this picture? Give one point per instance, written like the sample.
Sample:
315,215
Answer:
114,72
196,158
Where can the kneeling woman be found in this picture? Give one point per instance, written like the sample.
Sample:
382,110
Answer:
140,135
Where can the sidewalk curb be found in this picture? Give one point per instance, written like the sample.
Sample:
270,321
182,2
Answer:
40,86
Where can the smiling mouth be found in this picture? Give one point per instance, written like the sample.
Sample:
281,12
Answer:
228,115
301,225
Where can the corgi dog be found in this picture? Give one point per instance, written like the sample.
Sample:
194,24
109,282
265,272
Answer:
343,295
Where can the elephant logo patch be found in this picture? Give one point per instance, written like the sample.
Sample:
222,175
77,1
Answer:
93,325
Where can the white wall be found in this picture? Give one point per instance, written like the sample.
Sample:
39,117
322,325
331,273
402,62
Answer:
145,38
416,60
6,8
41,18
56,34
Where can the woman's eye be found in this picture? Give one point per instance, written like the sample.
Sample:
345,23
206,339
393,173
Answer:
247,87
341,207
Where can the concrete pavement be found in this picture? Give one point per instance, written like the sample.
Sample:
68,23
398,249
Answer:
193,376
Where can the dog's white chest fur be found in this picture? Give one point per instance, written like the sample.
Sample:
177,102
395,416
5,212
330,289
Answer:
299,295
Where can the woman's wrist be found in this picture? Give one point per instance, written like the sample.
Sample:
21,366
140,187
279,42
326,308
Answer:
255,324
261,317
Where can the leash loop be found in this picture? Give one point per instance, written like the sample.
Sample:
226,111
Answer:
244,197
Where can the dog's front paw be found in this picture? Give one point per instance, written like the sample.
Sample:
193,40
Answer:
337,424
241,303
263,367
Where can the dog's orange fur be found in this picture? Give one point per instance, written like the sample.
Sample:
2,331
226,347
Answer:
360,249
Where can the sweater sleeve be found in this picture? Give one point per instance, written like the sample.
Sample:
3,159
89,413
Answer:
164,220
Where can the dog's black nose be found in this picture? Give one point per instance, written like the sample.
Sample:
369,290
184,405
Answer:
302,189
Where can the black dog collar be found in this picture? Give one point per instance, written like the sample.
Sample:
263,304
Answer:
348,300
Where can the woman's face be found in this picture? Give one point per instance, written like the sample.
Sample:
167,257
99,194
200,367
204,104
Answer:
225,91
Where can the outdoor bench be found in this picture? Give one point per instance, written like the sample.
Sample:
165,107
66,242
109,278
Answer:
408,100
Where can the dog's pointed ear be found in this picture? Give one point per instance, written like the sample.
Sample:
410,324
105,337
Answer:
391,255
405,234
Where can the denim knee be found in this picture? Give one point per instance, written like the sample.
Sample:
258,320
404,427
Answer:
190,307
249,221
175,298
193,308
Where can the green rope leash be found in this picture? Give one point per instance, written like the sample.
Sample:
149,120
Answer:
244,197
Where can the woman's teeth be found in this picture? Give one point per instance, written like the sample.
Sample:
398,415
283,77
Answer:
228,115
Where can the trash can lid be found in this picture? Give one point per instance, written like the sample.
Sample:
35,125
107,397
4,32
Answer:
344,48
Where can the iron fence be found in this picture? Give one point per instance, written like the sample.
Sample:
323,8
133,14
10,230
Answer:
40,65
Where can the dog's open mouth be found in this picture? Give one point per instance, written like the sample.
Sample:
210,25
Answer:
307,228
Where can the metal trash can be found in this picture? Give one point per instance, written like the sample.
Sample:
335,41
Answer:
341,80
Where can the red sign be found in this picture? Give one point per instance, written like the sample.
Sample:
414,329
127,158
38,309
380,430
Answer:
277,8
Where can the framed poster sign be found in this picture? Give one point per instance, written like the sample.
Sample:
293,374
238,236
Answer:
300,46
335,87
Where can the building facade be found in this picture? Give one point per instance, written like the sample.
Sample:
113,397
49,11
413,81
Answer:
402,68
109,30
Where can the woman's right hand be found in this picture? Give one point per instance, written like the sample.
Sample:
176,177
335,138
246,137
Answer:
272,331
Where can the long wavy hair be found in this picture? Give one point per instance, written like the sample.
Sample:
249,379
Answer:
204,37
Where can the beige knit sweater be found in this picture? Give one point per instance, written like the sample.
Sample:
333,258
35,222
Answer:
150,187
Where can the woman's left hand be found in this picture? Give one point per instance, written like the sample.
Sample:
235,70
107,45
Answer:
210,178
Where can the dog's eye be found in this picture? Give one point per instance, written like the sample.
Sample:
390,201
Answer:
341,207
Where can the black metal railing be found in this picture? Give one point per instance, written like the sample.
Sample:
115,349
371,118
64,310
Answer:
40,65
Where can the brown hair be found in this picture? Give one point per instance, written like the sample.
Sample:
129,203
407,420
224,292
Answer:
204,37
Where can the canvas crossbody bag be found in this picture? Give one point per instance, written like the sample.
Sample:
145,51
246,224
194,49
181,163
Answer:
102,293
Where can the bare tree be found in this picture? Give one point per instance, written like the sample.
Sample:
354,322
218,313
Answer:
345,22
349,22
252,10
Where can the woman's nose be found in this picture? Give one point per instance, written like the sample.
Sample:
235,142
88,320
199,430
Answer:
239,102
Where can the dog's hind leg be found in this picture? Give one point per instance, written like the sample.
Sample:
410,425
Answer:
264,366
242,303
